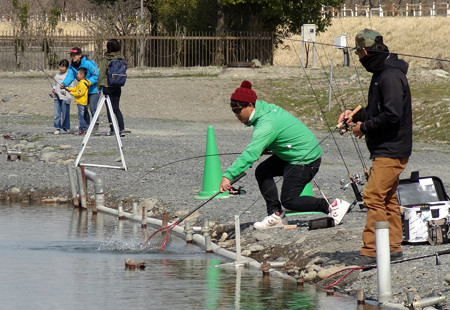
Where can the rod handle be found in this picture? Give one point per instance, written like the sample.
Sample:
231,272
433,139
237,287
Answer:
443,252
350,115
210,198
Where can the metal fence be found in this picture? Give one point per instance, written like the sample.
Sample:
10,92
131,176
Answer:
395,10
36,51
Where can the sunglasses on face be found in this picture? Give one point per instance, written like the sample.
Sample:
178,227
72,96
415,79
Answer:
237,110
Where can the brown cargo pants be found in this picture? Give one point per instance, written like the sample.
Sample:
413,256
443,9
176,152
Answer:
380,197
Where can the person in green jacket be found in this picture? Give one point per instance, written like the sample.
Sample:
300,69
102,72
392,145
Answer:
296,155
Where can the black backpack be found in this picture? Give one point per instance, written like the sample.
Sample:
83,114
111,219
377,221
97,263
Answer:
117,72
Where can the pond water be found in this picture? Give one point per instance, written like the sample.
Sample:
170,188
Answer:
64,258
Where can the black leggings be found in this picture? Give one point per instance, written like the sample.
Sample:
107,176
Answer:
114,95
295,178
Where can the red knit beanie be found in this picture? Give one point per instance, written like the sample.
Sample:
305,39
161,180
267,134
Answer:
244,93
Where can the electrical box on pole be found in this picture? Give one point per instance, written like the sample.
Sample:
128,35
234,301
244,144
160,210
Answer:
340,42
309,32
309,36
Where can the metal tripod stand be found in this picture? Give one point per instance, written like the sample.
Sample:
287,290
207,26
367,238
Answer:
103,99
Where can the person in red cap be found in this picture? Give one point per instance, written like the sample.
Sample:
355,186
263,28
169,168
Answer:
296,155
81,61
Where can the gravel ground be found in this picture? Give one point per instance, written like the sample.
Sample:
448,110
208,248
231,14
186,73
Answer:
168,118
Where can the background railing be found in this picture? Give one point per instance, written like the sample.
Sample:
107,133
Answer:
33,51
406,10
431,9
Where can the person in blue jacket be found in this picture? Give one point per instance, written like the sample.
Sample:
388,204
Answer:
78,61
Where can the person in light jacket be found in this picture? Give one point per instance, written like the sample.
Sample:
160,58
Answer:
62,100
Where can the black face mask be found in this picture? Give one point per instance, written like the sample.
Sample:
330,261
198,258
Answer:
374,62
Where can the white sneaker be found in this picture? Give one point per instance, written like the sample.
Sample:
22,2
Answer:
57,131
338,209
271,221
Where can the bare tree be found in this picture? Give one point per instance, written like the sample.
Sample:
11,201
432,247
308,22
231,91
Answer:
119,19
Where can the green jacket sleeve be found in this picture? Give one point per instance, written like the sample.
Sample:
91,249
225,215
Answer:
262,136
102,80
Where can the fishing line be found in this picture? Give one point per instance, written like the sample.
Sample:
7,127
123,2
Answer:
168,164
342,107
353,183
319,143
287,172
390,52
348,275
40,67
164,237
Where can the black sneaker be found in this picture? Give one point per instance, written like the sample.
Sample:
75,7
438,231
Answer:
396,255
363,261
122,133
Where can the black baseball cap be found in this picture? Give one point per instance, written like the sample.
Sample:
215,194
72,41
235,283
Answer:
75,51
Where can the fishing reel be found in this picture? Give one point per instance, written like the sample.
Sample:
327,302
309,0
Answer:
343,129
357,178
237,190
354,182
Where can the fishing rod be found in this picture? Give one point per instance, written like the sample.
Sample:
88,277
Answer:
49,78
172,226
340,105
353,183
40,67
343,126
169,164
289,171
345,274
343,130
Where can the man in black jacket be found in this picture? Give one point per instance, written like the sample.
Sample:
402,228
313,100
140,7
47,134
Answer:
386,123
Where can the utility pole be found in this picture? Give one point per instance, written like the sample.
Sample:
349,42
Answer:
141,26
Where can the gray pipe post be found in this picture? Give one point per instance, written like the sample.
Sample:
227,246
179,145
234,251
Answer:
205,228
73,186
208,247
237,229
81,191
205,232
144,217
98,188
383,262
188,231
120,211
165,220
135,208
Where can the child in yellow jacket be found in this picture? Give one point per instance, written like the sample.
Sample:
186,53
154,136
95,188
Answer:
80,92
